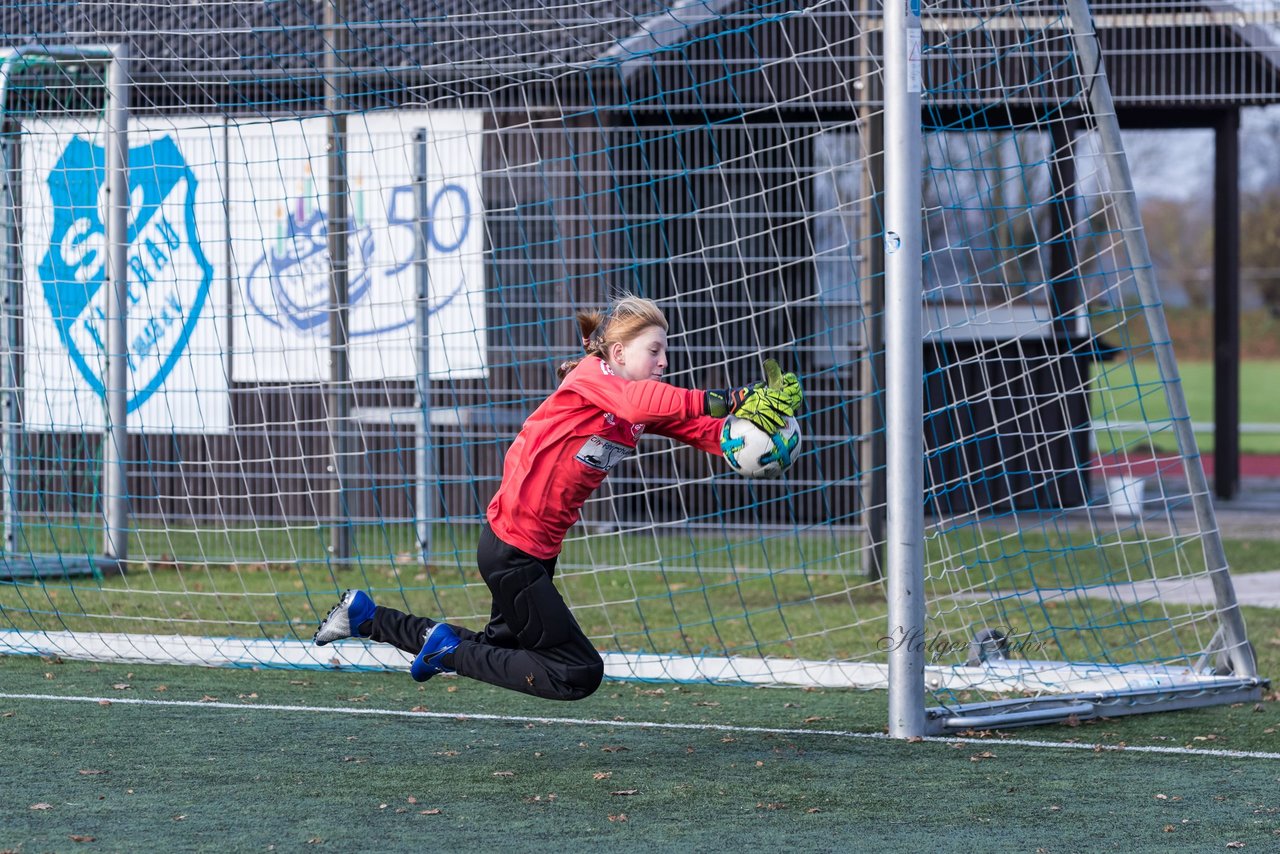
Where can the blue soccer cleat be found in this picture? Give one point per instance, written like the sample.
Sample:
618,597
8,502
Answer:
345,619
436,644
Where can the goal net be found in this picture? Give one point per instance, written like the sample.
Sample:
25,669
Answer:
354,246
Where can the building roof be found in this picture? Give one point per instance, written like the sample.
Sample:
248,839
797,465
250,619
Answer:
229,52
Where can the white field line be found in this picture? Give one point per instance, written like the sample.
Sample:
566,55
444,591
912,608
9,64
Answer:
656,725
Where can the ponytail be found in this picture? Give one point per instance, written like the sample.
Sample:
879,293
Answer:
591,324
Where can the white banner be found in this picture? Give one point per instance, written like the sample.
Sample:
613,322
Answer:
176,292
199,187
279,252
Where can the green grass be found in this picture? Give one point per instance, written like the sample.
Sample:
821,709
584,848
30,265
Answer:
202,778
1133,391
199,777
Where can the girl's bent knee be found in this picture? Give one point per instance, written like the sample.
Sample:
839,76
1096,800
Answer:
585,682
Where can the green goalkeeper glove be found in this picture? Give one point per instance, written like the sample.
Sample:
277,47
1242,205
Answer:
766,405
785,388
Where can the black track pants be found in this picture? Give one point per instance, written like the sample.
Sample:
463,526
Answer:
532,642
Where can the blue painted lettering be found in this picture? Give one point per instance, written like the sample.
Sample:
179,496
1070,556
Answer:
82,249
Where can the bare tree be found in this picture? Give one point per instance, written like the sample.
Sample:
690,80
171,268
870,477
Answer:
1180,236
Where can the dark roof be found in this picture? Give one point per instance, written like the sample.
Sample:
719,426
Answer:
239,38
266,54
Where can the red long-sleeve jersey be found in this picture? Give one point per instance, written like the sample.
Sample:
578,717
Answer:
570,443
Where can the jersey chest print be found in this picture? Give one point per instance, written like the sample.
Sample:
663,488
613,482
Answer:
602,454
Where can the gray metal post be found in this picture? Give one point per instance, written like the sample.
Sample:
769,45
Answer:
10,289
339,393
425,510
115,448
904,381
1108,129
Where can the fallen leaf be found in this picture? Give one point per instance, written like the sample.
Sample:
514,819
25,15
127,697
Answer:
504,773
771,807
76,837
208,699
812,810
104,702
602,775
619,817
978,757
813,719
1235,844
179,818
625,792
419,709
431,812
614,749
411,799
41,806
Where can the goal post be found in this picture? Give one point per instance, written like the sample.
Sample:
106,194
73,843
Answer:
904,405
1055,113
112,62
922,210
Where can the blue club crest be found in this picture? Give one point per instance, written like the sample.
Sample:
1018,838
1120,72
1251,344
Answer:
169,276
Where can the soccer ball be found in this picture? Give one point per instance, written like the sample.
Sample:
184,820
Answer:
755,453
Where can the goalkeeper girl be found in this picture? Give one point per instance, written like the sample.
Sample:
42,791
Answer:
565,449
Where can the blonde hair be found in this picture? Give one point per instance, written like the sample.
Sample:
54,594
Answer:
626,318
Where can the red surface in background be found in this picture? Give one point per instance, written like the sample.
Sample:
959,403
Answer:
1146,465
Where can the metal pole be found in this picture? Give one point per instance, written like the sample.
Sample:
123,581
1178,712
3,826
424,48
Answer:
9,327
1226,303
115,449
1108,129
9,299
425,510
339,229
904,406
